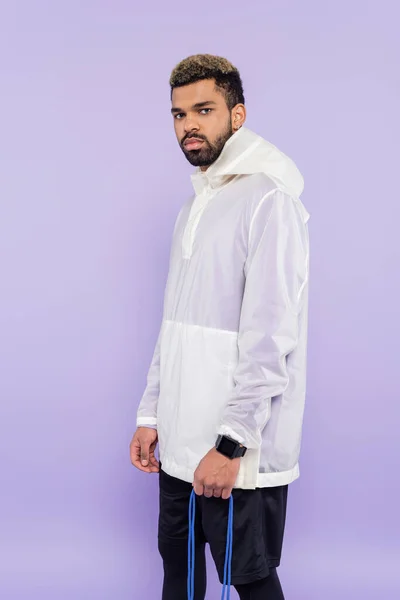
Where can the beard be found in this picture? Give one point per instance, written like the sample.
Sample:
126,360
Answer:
209,152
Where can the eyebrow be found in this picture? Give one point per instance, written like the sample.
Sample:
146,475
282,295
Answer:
197,106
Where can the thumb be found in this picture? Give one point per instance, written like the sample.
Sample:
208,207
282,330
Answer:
144,454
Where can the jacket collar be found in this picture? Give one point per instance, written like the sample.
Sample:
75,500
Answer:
215,175
246,153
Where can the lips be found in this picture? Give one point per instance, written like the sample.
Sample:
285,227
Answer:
193,144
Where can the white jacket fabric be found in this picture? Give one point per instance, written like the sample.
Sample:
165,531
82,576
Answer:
231,353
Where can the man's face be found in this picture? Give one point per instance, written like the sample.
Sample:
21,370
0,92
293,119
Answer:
203,122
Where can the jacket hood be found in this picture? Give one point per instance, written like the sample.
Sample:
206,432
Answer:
247,153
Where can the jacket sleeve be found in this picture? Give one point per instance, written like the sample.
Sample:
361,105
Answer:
276,272
147,411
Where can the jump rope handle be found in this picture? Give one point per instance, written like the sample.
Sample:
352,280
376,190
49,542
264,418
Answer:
226,588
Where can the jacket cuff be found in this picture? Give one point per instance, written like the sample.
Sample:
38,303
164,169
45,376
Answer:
225,430
146,422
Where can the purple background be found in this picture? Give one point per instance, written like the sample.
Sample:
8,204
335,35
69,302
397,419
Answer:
91,179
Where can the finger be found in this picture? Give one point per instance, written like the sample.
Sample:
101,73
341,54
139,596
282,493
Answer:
152,469
208,491
217,492
138,464
226,493
152,457
198,488
153,461
134,450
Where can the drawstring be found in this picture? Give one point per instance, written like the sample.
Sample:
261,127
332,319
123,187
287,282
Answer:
191,547
226,588
228,554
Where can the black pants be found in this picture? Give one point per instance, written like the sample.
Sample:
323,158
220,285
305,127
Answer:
259,518
175,581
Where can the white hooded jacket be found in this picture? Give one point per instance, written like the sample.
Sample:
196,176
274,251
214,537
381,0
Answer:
231,353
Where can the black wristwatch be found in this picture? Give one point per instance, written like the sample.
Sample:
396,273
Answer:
229,447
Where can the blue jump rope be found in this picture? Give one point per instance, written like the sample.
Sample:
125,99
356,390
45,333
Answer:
226,588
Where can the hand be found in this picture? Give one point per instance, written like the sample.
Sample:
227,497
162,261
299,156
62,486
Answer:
216,475
142,450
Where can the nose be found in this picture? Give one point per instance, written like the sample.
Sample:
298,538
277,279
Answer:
191,124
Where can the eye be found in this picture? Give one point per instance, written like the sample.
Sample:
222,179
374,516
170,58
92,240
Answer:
205,111
179,116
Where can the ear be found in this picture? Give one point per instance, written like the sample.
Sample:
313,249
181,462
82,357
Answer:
238,116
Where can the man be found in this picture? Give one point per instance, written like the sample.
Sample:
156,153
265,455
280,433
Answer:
226,387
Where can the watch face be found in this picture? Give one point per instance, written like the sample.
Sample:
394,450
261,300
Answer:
227,446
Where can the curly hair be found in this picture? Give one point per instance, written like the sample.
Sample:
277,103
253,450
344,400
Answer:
207,66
